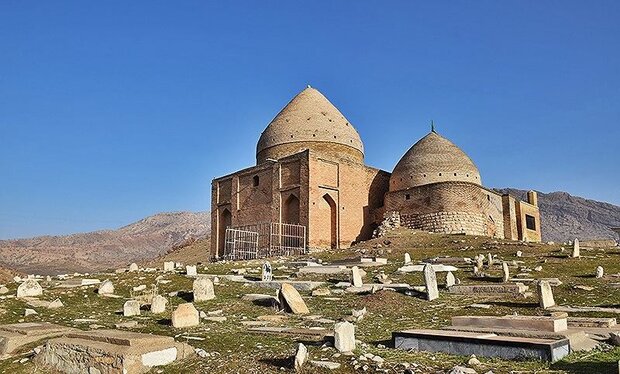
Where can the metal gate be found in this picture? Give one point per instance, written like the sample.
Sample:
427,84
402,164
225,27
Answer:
240,244
267,239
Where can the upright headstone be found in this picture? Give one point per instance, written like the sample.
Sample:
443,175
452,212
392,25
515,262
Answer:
519,253
158,305
344,337
29,288
169,266
133,267
106,288
190,271
450,280
599,272
430,280
575,248
185,315
267,275
300,357
407,258
131,308
545,295
490,259
480,262
203,289
356,277
505,271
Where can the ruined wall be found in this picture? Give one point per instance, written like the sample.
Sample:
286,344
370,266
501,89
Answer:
525,209
510,217
449,207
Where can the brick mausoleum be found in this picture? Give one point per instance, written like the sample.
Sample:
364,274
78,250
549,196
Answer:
310,171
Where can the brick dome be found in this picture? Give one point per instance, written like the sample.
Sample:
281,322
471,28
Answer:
309,121
433,159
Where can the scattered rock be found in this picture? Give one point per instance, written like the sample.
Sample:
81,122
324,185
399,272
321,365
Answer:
599,272
30,312
321,292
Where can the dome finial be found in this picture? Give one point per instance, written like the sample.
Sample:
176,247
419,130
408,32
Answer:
308,86
433,126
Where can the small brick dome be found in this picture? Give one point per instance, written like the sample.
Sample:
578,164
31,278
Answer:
433,159
309,121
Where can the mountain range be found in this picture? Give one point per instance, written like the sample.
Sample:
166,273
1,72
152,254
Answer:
563,217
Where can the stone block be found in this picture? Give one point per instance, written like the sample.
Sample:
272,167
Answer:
14,336
534,323
185,315
110,351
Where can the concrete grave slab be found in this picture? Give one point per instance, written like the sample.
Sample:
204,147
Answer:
436,267
481,344
534,323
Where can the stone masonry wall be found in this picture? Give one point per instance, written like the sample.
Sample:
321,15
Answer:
447,222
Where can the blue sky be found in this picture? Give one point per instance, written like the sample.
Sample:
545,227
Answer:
112,111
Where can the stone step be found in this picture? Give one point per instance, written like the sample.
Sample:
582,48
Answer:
481,344
535,323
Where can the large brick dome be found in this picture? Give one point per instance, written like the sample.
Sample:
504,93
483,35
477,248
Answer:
309,121
433,159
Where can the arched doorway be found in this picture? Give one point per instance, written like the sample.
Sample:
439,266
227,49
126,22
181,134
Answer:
290,211
333,217
225,220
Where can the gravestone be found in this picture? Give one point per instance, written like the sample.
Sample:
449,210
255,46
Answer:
344,337
203,289
29,288
291,300
190,271
450,280
131,308
133,267
106,288
407,259
545,295
300,357
490,259
575,248
356,277
158,305
599,272
430,281
480,262
505,272
169,266
267,275
185,315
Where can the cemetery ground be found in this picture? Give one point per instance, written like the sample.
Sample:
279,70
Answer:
232,348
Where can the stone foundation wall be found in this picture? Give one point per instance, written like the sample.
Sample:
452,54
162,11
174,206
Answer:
447,223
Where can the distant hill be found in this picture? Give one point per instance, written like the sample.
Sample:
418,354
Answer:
566,217
141,241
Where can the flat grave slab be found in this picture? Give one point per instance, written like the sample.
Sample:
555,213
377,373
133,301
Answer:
436,267
488,289
318,333
14,336
576,322
111,351
481,344
535,323
298,285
